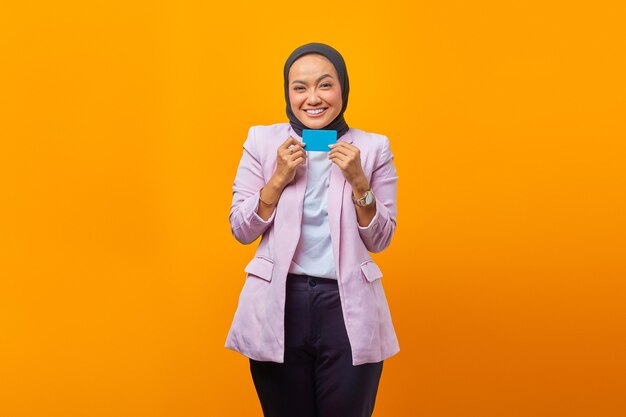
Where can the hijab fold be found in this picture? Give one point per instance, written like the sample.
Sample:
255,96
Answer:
338,124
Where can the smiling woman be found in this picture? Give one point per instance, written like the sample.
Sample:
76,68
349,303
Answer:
312,316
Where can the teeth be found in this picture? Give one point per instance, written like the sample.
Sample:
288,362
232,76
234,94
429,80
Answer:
317,111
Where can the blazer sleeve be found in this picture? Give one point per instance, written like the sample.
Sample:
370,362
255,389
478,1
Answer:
384,181
245,224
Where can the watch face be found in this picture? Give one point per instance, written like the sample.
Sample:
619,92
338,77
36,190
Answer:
369,198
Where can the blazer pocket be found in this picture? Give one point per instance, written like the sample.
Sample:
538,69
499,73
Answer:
261,267
371,271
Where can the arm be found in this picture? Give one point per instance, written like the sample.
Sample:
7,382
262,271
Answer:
251,213
245,222
378,233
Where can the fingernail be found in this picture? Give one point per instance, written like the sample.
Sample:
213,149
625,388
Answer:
331,145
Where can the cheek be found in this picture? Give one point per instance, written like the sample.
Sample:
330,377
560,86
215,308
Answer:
293,99
336,99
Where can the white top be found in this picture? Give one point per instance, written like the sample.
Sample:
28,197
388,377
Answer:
314,253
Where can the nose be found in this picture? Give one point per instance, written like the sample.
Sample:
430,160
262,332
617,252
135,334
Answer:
313,99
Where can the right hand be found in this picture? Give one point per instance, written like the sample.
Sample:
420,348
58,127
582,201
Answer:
287,161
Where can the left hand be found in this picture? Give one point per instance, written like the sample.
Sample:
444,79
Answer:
347,157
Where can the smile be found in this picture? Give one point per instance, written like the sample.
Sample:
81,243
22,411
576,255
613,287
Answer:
315,112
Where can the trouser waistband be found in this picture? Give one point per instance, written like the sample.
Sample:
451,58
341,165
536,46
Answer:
307,282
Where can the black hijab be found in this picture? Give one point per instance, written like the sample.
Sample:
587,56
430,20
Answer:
339,124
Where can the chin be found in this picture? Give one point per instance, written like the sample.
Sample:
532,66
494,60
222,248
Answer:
316,124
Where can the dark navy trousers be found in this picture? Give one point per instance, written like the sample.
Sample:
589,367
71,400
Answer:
317,378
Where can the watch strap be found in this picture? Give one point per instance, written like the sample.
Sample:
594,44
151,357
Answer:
362,200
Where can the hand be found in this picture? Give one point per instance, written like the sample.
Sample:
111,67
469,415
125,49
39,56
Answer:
290,154
348,158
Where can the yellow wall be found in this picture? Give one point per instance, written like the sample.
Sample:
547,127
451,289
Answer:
121,128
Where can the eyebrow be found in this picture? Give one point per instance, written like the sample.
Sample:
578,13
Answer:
318,80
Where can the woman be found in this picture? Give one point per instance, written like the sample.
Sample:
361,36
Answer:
312,316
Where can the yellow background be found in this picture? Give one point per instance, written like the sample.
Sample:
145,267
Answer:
122,126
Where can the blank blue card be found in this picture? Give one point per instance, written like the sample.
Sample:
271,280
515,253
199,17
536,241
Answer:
318,140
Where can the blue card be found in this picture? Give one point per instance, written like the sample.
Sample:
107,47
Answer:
318,140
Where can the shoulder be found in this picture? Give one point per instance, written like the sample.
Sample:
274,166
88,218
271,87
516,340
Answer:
267,133
263,140
369,141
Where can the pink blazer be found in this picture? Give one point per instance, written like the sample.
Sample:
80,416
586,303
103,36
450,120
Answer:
257,330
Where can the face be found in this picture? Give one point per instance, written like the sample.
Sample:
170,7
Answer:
314,91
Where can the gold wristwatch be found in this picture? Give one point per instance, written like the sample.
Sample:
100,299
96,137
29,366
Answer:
366,200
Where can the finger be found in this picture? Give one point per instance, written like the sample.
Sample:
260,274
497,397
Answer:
297,162
342,151
291,153
341,164
290,141
344,145
351,147
339,157
296,155
349,151
291,150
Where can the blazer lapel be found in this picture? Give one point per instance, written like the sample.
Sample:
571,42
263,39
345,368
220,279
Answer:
291,204
289,211
336,188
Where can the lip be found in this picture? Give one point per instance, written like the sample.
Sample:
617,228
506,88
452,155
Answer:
315,116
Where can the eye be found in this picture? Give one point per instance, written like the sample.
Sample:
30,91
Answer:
325,85
298,88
